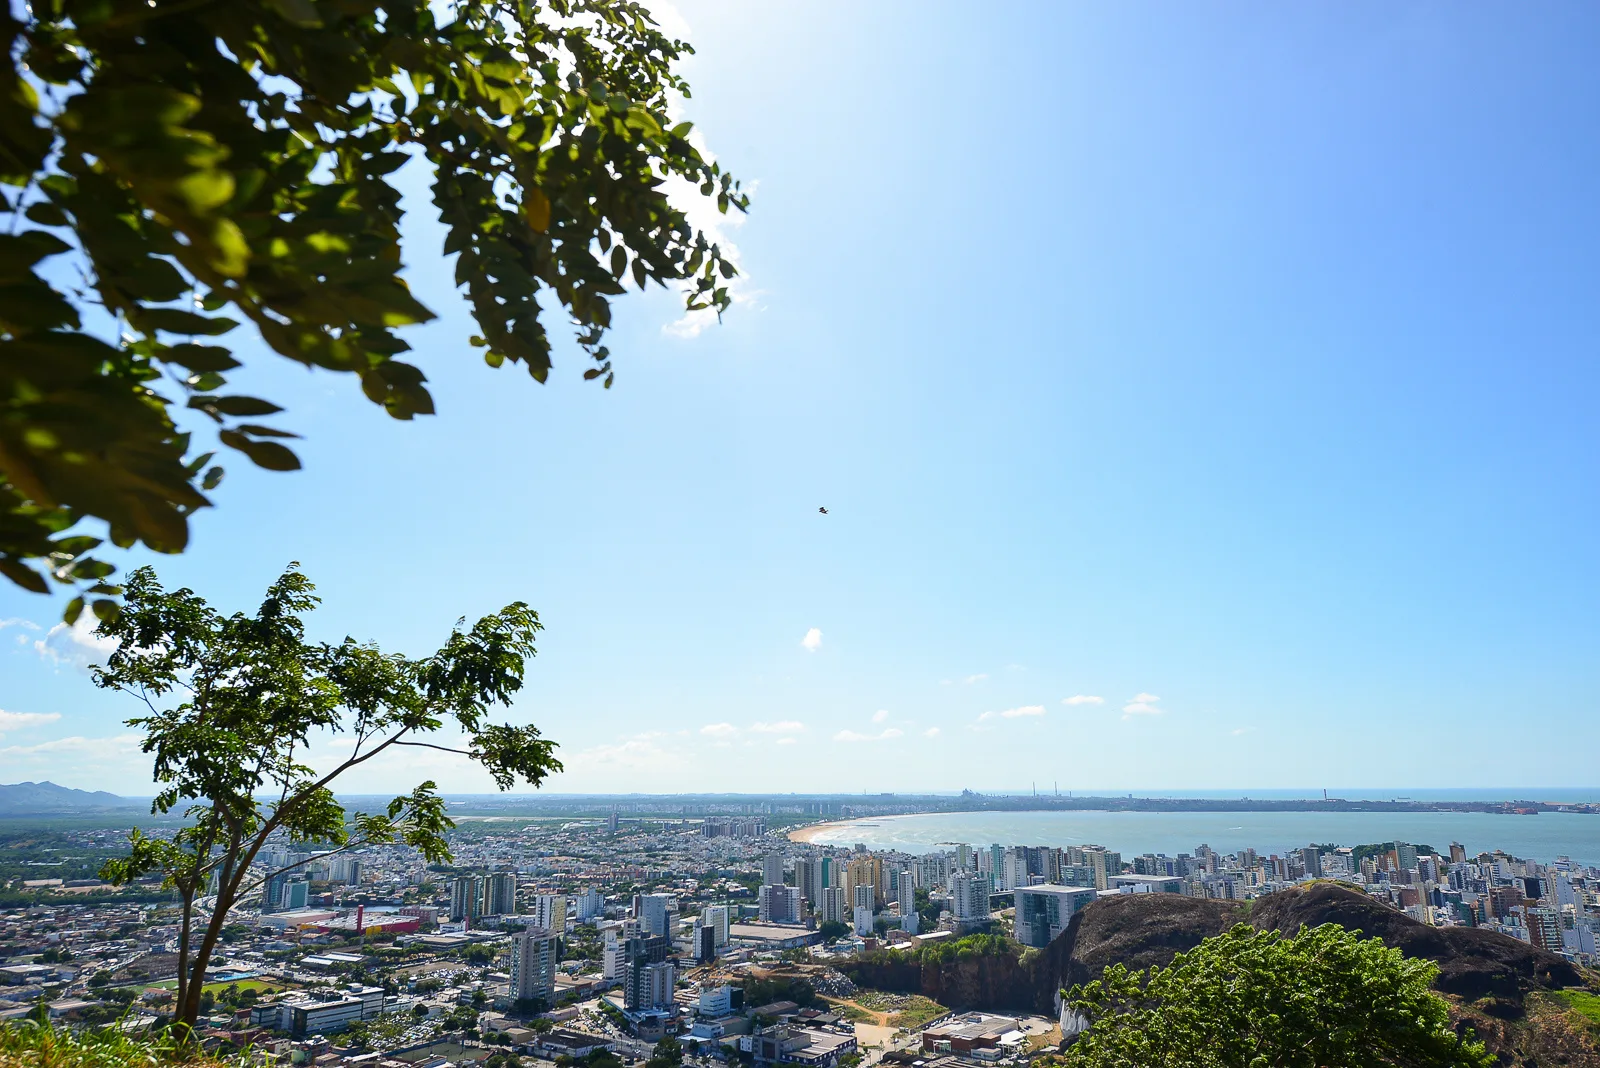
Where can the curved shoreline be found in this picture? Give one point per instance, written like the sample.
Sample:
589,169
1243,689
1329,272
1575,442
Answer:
807,835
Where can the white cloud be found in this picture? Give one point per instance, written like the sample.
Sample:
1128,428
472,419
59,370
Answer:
970,679
640,752
783,726
1143,704
719,730
812,641
882,736
14,621
1014,713
1241,730
77,753
931,732
77,645
11,721
880,715
785,741
1083,699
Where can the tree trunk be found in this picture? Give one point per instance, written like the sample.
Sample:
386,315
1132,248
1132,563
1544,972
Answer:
188,1012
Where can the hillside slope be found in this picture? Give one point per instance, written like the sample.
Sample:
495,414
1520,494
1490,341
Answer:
1503,989
1473,964
48,799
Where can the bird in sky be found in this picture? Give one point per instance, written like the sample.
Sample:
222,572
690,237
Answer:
824,511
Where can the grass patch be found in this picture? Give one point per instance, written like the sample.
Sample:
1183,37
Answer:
1581,1002
917,1012
901,1010
31,1045
260,986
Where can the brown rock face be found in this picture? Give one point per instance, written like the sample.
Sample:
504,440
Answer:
1473,963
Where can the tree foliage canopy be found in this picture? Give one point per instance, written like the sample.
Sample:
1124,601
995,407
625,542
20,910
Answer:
201,164
1255,999
235,704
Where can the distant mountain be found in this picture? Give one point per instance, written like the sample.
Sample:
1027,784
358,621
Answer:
48,799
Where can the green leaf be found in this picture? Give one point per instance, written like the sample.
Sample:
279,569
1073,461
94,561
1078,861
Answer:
46,214
176,321
241,405
200,357
23,576
300,12
267,454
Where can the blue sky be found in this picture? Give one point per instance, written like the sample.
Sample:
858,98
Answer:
1232,365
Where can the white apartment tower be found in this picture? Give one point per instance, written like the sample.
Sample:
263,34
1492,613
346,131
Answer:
533,964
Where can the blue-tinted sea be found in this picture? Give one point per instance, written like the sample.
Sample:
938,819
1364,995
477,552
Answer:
1543,837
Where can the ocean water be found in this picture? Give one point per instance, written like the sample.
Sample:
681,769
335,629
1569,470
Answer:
1543,837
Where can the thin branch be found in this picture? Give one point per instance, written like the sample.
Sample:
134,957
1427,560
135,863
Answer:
441,748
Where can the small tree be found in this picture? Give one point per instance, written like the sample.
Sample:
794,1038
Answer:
1255,999
667,1054
235,704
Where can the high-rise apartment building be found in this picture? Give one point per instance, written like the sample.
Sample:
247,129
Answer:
1544,929
1044,911
589,904
1103,863
779,904
1311,862
833,906
500,894
717,917
655,913
466,898
969,892
808,879
649,976
772,870
866,870
534,956
549,911
910,921
613,956
345,870
274,892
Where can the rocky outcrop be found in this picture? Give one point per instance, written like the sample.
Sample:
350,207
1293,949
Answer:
1138,931
1500,987
1473,964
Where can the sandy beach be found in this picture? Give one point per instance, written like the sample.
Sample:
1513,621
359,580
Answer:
808,834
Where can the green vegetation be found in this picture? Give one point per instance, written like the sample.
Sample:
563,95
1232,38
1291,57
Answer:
234,704
917,1012
832,930
36,1045
759,992
903,1010
975,945
1584,1003
1250,998
189,159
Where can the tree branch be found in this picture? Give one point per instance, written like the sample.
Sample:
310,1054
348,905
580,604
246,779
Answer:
441,748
